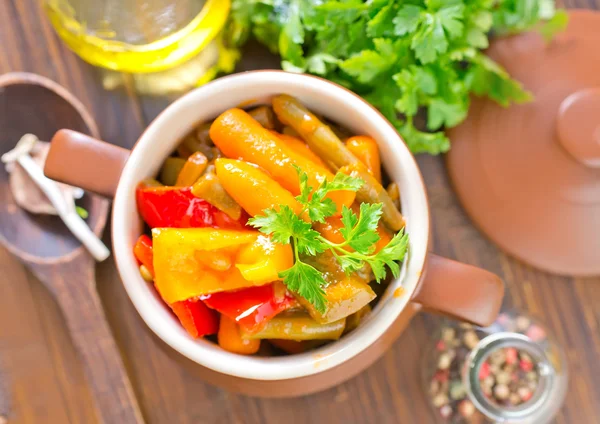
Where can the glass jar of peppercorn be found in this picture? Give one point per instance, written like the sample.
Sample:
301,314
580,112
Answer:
510,372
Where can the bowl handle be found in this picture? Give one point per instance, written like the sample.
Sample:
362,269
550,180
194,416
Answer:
83,161
461,291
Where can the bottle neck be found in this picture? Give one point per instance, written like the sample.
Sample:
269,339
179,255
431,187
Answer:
494,411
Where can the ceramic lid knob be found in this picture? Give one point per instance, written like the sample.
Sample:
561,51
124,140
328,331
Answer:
578,126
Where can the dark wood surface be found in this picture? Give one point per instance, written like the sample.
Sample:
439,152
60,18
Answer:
44,379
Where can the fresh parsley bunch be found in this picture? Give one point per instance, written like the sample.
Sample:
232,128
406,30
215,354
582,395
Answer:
359,232
417,61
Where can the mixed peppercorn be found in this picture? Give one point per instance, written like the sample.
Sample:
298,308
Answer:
508,377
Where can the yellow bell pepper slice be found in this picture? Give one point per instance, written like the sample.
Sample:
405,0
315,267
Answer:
184,261
263,260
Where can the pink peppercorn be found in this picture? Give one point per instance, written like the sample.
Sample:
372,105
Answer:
526,365
484,371
441,376
511,355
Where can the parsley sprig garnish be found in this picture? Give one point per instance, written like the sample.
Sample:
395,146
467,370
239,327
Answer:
359,233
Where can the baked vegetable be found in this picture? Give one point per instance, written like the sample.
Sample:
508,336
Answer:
304,278
297,326
238,135
188,262
365,149
252,188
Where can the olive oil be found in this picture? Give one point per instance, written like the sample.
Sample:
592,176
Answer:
137,36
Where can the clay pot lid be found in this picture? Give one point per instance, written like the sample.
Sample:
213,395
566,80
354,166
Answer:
529,175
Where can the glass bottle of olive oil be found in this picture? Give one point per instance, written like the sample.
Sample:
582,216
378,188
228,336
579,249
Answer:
138,36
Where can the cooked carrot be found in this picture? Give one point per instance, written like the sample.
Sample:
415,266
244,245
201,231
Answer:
366,150
171,169
238,135
251,188
192,170
300,147
231,340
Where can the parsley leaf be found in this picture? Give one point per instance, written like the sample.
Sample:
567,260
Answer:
407,19
381,25
486,77
344,182
361,233
317,206
430,40
308,282
556,24
392,253
451,19
281,224
441,112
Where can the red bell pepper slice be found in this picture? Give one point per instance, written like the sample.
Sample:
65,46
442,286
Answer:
196,317
143,252
222,220
252,307
173,207
177,207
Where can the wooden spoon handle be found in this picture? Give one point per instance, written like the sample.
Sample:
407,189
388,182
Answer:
73,285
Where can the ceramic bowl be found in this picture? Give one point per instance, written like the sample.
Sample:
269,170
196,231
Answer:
436,283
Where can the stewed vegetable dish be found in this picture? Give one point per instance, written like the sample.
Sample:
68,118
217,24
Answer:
270,230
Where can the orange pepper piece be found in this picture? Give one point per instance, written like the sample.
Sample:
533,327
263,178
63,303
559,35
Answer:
231,340
252,188
366,150
238,135
192,170
300,147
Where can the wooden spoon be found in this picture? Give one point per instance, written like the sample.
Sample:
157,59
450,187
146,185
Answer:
30,103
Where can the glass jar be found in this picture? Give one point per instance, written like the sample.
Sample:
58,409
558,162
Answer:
510,372
137,36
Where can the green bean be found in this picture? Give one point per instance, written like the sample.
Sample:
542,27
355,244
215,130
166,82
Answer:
319,137
344,298
372,192
191,145
170,170
354,320
394,192
265,117
297,326
290,131
209,188
202,134
150,182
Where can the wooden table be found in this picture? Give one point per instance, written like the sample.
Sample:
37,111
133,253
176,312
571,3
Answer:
45,381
